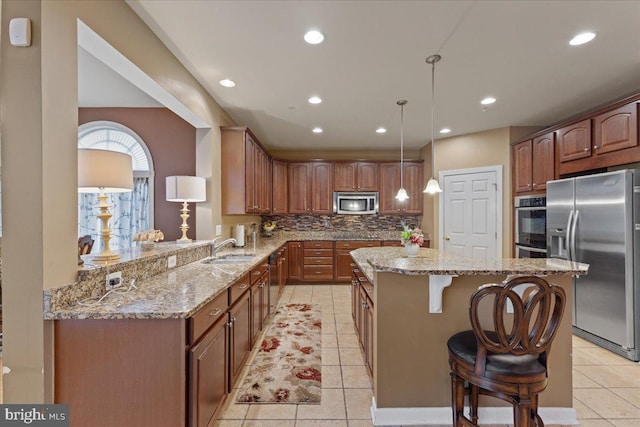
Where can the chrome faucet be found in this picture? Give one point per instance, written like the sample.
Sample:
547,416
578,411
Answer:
215,248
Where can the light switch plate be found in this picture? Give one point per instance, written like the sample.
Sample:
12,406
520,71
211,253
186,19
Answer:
218,230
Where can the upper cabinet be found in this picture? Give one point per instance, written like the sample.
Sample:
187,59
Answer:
246,173
280,188
355,176
574,141
606,139
390,184
533,164
311,188
616,130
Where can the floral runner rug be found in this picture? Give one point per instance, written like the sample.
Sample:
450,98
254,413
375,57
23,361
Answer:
287,367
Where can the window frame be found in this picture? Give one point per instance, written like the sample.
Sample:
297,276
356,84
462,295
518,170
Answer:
85,128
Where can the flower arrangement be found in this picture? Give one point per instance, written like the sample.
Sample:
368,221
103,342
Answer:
414,236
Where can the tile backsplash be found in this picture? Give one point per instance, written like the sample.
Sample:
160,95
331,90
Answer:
342,222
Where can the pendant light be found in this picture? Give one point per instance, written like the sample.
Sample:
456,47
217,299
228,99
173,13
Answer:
432,185
402,193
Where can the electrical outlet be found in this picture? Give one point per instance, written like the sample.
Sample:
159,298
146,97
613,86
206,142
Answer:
171,261
218,230
114,280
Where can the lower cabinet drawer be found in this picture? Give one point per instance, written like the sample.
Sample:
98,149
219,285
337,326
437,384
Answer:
207,316
317,260
239,288
318,272
318,252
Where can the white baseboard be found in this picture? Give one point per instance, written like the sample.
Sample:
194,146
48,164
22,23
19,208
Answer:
443,415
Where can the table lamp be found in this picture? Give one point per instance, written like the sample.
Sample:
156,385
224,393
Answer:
185,189
104,171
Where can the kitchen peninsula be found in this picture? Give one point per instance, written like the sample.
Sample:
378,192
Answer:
419,303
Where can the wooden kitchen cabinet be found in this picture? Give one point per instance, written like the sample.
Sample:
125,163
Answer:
533,164
240,333
343,261
279,187
355,176
311,188
299,188
295,260
616,130
318,261
609,138
321,188
362,312
574,141
245,171
390,184
208,374
259,299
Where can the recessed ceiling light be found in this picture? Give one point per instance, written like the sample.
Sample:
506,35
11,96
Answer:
381,130
315,100
227,83
582,38
313,37
488,100
445,130
317,130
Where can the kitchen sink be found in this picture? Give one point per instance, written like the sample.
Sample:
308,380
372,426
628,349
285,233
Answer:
228,259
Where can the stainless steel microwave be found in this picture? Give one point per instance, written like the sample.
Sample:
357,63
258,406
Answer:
355,203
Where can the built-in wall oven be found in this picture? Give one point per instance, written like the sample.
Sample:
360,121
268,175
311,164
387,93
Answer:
530,227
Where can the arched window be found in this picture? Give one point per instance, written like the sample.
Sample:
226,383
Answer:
132,212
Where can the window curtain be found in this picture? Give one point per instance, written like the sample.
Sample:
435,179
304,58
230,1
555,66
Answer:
130,214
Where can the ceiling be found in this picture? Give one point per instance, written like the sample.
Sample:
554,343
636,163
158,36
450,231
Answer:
374,54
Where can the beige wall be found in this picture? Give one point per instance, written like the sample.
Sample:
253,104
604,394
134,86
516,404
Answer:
38,96
488,148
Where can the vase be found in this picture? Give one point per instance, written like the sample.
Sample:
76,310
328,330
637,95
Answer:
411,249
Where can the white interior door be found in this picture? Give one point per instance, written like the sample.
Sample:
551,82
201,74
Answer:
471,213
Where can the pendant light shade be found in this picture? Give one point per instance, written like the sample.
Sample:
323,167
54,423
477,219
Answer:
432,185
402,193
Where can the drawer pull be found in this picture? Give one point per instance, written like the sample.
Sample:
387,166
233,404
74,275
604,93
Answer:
257,273
215,312
244,286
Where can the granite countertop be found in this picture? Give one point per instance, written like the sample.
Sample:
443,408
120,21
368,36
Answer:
181,292
434,262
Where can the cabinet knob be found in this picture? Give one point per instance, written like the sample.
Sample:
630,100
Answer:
534,184
595,147
586,149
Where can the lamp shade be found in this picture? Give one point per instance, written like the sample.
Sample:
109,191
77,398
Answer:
432,187
186,189
104,170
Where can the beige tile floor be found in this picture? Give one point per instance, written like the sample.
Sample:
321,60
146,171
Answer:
606,386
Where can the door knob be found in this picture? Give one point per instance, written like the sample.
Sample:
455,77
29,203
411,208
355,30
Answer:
447,238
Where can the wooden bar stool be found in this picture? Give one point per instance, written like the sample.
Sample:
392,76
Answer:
507,358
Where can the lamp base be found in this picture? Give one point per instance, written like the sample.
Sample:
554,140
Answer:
184,240
106,258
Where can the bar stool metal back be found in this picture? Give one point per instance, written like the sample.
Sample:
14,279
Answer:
507,356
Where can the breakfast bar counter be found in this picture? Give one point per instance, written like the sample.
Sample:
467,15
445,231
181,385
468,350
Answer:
419,303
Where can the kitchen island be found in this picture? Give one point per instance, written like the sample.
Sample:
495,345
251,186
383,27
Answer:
419,303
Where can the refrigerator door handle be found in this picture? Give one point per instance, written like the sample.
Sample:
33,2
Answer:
573,236
568,235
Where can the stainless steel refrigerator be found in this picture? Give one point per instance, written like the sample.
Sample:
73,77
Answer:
595,219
